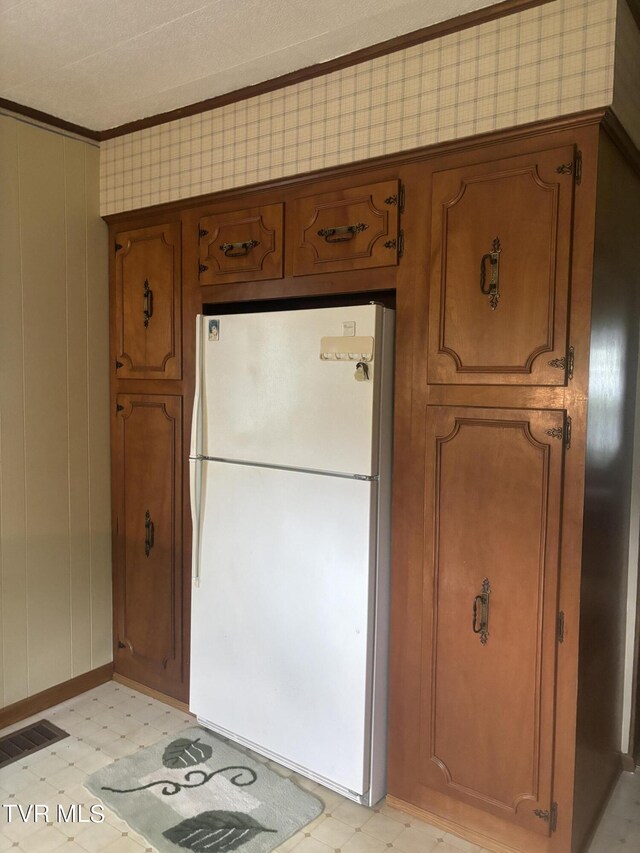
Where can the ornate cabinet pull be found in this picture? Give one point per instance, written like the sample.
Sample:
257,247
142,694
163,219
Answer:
149,533
492,290
238,250
342,233
148,303
480,622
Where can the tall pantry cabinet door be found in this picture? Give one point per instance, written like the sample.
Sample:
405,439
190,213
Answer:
147,303
499,270
478,695
148,540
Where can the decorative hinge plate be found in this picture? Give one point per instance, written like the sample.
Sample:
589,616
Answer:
574,168
561,626
400,243
397,198
565,363
551,816
567,433
118,246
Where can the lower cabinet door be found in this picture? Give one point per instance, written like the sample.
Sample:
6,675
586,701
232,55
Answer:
473,712
148,543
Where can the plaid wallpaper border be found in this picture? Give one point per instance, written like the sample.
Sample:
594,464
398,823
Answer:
552,60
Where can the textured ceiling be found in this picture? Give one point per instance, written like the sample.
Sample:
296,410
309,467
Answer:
101,63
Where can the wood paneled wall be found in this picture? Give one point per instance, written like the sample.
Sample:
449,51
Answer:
55,539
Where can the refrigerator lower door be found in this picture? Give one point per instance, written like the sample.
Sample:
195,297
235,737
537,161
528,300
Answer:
283,625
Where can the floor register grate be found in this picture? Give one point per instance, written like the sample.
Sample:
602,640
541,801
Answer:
30,739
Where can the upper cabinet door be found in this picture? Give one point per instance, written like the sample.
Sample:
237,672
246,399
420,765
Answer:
147,303
350,229
243,245
499,272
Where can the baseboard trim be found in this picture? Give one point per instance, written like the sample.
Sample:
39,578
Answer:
628,762
149,691
54,695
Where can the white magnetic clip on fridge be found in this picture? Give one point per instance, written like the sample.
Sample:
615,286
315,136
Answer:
290,495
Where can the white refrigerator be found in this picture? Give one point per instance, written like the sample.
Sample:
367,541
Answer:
290,495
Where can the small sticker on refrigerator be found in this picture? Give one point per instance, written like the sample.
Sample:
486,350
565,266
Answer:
214,330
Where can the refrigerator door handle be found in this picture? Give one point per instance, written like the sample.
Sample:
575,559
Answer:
195,490
196,421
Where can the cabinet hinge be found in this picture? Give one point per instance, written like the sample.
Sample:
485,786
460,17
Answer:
202,268
565,363
574,168
550,817
397,199
118,246
202,232
567,433
400,243
561,626
578,167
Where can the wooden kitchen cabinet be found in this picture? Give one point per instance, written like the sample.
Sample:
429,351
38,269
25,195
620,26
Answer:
516,357
148,539
147,306
350,229
499,270
486,692
241,245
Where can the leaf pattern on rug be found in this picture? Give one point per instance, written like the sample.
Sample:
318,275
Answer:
215,831
185,753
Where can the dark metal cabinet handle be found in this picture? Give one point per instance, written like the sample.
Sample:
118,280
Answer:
492,290
238,250
342,233
149,533
481,602
148,303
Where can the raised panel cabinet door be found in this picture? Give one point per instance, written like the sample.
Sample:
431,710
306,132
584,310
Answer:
482,720
148,303
148,578
241,245
500,269
355,228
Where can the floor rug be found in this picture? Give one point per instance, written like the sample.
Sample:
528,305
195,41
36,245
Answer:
196,791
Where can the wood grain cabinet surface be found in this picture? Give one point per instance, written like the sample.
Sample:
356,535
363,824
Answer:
241,245
148,540
499,270
350,229
147,310
493,483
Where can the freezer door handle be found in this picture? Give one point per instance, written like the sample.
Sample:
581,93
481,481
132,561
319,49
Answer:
195,488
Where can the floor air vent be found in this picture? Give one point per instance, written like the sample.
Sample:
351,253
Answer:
18,744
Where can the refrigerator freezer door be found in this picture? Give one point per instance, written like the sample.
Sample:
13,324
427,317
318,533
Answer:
283,619
268,397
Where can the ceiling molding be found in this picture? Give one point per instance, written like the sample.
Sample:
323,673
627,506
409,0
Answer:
443,28
52,121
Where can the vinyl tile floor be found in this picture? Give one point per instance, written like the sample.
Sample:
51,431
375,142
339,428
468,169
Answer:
112,721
